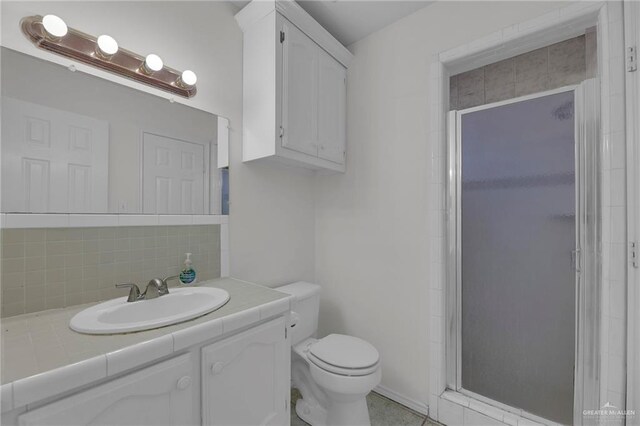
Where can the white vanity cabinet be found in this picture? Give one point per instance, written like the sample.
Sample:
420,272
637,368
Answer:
240,379
162,394
245,378
294,80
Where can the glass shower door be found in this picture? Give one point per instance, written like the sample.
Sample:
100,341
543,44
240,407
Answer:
517,240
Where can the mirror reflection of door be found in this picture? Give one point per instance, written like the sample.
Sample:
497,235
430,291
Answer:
174,176
53,160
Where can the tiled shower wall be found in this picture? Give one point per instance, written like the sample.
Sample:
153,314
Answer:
561,64
58,267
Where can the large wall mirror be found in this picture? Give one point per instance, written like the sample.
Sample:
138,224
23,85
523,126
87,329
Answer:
76,143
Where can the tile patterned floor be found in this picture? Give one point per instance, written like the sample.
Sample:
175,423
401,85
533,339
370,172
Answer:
382,411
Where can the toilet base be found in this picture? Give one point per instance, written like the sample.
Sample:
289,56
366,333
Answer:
347,413
315,415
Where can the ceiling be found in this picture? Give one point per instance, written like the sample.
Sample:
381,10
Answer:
352,20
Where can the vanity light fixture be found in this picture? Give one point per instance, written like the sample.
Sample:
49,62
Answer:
51,33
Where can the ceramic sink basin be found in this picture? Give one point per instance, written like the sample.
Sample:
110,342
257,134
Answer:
119,316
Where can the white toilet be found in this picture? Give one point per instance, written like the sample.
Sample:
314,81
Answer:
334,374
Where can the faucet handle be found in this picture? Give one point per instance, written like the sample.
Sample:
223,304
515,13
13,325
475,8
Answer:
156,288
169,278
134,292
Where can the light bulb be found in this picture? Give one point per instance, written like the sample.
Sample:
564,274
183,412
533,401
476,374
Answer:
107,45
153,63
55,26
188,78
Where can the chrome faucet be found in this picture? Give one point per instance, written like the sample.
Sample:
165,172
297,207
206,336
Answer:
134,293
155,288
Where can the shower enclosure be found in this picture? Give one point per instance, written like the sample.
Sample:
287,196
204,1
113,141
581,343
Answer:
523,253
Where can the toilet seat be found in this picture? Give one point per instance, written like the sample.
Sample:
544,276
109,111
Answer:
344,355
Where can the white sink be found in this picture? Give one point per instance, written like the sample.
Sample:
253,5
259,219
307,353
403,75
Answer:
119,316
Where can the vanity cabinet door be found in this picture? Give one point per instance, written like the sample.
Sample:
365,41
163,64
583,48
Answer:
159,395
245,378
299,90
332,102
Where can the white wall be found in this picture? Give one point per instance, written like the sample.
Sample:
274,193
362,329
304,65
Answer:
272,217
372,251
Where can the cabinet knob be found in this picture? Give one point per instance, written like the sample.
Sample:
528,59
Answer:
184,382
217,368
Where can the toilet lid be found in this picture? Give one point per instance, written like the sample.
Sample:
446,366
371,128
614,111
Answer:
345,352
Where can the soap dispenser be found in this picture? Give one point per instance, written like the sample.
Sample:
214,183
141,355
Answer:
188,274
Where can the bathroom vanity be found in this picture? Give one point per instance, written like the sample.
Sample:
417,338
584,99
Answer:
231,366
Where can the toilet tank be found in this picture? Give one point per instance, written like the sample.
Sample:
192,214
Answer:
304,307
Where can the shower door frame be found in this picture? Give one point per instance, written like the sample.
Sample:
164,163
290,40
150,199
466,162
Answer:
587,252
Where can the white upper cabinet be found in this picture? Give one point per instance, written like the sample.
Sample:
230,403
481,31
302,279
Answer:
294,80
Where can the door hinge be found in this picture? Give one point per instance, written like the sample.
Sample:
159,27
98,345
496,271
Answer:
281,132
632,59
281,36
633,254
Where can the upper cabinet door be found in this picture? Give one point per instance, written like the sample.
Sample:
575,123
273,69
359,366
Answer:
331,109
299,130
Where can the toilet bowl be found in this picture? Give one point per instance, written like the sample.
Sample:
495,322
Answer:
333,374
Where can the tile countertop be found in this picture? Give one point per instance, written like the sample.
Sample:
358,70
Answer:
34,344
